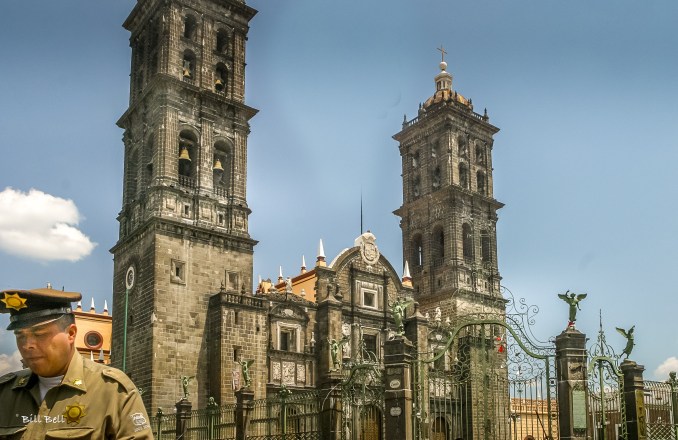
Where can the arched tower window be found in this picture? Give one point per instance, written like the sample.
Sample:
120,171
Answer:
438,246
222,41
463,176
148,161
480,182
190,26
415,159
480,155
467,241
132,180
485,246
188,68
417,251
416,186
221,168
220,78
187,158
463,146
435,181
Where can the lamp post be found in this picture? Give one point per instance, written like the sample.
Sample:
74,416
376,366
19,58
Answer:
514,418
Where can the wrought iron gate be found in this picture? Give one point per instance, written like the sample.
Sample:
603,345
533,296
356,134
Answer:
484,377
362,396
607,410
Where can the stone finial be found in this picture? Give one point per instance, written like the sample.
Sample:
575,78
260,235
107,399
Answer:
91,307
280,276
407,278
303,264
78,307
320,261
105,312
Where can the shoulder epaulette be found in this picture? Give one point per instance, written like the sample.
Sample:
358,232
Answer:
120,377
7,377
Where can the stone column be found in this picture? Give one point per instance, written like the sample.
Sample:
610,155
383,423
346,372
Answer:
243,410
572,384
398,389
634,400
416,330
183,417
329,318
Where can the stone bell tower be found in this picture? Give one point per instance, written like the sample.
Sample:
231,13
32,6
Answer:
184,218
449,214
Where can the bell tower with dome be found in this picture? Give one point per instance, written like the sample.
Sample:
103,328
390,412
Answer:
184,232
449,213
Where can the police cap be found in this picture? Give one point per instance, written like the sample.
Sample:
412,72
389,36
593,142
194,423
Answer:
28,308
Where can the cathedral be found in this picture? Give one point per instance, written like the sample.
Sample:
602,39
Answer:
183,263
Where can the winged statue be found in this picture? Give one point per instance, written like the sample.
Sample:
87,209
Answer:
628,334
245,368
573,300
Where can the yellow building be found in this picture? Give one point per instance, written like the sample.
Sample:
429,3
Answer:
94,333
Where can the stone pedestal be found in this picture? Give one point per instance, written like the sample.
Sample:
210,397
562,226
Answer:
398,389
636,425
244,404
183,417
571,376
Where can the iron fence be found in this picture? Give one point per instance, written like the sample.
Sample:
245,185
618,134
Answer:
660,412
286,417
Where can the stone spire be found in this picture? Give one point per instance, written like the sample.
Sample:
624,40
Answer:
91,307
303,264
407,278
320,261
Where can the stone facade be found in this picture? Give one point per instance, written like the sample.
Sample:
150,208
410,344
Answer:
449,214
184,217
183,261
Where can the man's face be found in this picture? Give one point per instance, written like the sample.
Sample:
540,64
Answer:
46,349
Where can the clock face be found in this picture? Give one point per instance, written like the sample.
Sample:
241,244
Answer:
129,278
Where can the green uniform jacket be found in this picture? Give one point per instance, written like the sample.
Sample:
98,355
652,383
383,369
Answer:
94,401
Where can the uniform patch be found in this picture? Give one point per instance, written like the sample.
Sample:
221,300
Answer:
14,301
74,413
138,419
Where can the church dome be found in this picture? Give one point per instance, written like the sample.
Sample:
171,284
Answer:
447,95
444,92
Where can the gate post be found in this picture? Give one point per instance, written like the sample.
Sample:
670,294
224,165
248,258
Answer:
183,417
571,375
398,390
634,399
244,403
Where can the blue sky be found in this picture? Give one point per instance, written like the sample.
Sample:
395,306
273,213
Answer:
585,94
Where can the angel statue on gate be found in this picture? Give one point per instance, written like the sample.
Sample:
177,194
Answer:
185,381
573,300
335,349
628,334
245,368
398,311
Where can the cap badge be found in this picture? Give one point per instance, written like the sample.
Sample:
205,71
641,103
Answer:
14,301
77,382
74,413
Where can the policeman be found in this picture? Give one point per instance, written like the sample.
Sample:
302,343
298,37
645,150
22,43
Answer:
61,394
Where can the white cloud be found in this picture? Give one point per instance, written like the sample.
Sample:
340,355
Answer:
663,370
40,226
10,362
